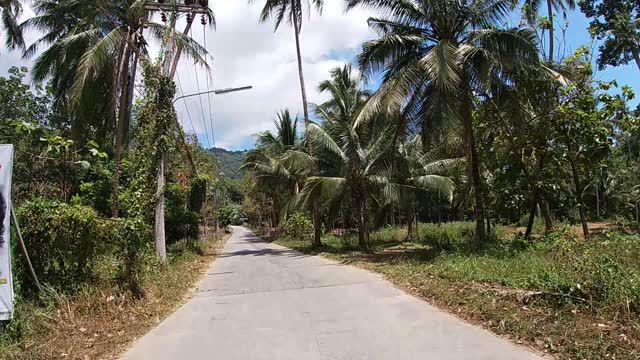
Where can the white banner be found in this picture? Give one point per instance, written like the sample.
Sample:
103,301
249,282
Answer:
6,282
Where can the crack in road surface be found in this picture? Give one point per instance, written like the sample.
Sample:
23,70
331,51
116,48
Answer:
274,303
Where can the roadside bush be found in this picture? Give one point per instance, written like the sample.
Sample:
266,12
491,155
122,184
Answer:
231,214
63,242
297,225
180,222
603,270
447,236
136,258
96,190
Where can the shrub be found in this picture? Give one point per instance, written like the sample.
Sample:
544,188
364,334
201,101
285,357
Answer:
180,222
134,238
447,236
297,225
63,241
231,214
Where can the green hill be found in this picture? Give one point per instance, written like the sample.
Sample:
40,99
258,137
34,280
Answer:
229,162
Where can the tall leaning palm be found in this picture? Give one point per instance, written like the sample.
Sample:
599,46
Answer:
10,10
532,10
435,55
291,11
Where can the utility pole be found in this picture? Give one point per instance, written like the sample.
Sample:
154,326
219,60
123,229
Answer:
170,58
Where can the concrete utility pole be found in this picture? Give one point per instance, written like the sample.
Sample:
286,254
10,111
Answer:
170,61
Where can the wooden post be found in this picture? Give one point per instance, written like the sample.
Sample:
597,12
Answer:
14,220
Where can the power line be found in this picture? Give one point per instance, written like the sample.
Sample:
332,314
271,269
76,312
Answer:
204,121
213,131
185,105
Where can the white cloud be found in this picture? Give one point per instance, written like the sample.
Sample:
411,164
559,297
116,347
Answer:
249,53
246,52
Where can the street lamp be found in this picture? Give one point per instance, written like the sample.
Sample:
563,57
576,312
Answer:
216,92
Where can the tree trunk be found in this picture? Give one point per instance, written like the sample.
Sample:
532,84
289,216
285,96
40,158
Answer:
317,221
546,213
409,226
174,65
363,233
129,112
122,109
472,157
110,124
532,216
550,14
488,225
636,58
576,181
598,199
317,227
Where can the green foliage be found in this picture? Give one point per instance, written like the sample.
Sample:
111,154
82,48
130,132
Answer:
197,193
447,236
95,190
155,137
229,162
231,214
64,242
180,221
615,22
134,238
297,225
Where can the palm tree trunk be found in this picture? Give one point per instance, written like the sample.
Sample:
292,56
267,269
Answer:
550,14
174,65
409,226
303,90
472,157
130,88
317,221
636,58
363,232
123,74
109,127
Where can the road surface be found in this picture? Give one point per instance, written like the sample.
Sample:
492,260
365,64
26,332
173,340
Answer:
263,301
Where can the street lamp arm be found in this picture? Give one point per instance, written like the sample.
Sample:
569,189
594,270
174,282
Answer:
216,92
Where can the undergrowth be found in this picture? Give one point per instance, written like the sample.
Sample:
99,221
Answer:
98,321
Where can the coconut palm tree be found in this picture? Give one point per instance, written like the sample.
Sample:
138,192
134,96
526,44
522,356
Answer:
531,11
435,55
10,10
272,164
352,157
292,12
91,60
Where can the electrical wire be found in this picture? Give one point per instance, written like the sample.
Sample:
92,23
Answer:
204,120
213,132
193,128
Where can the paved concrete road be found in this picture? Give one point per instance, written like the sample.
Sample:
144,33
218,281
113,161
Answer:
263,301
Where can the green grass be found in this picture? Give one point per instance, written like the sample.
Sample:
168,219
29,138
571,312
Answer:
563,295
